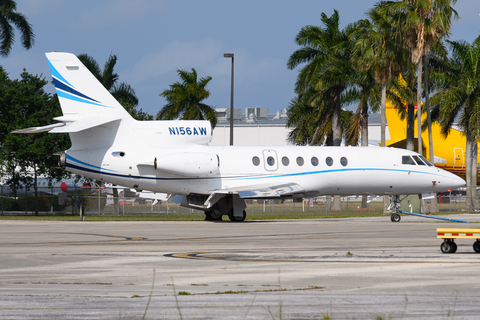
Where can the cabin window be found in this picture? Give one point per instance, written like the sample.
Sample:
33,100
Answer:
418,161
285,161
343,161
426,161
314,161
270,161
329,161
300,161
407,160
256,161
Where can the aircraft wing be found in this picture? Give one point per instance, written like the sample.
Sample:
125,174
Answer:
264,191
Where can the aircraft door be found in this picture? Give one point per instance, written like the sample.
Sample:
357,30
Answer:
270,160
458,159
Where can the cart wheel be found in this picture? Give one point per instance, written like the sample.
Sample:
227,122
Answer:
395,217
476,246
448,247
454,247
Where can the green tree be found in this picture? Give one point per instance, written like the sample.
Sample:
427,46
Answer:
377,48
123,92
458,95
24,103
184,99
422,23
9,16
366,92
327,70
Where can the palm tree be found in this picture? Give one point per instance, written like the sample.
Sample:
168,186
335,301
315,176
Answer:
366,92
9,16
184,99
458,94
123,92
377,49
422,23
327,71
306,122
313,125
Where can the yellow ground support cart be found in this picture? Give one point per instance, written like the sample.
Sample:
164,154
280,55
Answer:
450,234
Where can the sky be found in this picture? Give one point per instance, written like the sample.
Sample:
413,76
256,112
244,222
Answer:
154,38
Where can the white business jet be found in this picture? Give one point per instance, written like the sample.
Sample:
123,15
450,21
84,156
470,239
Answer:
174,156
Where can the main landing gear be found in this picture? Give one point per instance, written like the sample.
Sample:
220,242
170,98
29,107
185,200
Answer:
215,215
231,205
236,218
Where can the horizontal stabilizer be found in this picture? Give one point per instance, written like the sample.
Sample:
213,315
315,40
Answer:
84,124
40,129
68,127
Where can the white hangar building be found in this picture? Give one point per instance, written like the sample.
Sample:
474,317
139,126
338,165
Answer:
258,128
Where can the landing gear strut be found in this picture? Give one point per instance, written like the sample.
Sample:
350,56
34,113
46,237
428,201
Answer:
227,205
395,203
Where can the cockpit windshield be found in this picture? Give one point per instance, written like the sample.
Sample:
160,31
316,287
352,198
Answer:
418,161
426,161
407,160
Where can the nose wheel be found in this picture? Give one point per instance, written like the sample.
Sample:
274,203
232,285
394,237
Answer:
395,217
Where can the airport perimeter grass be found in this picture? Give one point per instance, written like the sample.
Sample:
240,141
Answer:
177,213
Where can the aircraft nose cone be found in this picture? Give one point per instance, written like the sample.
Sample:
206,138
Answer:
460,183
456,182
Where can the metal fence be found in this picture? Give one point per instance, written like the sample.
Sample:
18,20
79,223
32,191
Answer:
69,201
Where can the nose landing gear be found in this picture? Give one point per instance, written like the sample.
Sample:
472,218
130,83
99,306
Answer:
395,204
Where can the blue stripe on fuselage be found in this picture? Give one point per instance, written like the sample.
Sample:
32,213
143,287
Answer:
69,157
234,178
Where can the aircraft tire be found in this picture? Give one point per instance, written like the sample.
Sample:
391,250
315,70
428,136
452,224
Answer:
395,217
476,246
237,219
213,215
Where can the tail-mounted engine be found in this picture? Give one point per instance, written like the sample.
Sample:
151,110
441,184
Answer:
188,164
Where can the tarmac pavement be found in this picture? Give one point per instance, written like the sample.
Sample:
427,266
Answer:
350,268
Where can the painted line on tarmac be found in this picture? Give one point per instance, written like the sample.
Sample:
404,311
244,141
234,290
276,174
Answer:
120,238
198,256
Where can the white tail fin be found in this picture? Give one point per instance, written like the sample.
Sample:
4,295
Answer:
84,100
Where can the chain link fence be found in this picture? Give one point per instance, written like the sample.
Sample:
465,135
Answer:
69,201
